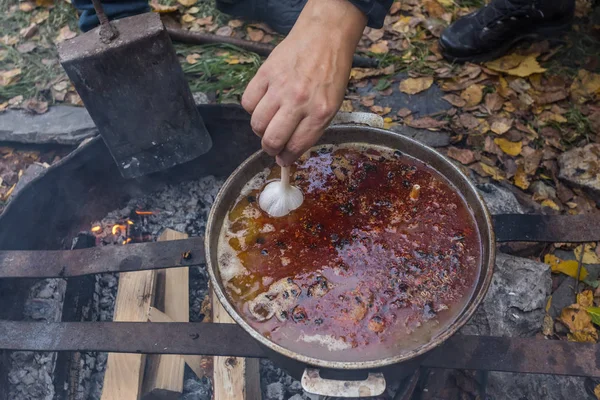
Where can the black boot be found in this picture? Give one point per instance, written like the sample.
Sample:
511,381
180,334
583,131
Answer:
280,15
491,31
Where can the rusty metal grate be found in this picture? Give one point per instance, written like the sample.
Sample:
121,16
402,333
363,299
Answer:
460,352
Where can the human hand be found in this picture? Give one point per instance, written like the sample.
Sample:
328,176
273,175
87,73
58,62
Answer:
300,87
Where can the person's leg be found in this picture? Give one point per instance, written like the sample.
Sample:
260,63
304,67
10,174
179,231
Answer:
491,31
114,9
281,15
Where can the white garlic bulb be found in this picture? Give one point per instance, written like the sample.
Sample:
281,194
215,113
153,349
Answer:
279,198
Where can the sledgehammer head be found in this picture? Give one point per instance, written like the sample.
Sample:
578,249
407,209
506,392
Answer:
135,91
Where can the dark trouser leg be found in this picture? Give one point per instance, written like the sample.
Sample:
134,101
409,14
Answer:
114,9
281,15
491,31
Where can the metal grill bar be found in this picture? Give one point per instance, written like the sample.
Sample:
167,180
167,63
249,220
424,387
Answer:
459,352
95,260
154,255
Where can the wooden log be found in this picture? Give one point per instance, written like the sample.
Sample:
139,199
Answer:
233,378
202,366
124,372
164,373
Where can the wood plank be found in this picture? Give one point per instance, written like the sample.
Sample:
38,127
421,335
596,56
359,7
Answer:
164,373
124,372
200,365
233,378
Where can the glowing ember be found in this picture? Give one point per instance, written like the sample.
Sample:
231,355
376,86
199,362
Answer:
118,228
144,212
96,229
129,222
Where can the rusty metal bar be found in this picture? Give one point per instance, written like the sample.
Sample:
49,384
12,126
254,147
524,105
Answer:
546,228
131,257
535,356
136,257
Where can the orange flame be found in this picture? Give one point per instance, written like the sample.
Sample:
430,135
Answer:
96,229
118,227
144,212
129,222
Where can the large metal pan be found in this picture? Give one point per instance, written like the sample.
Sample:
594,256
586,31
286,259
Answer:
375,383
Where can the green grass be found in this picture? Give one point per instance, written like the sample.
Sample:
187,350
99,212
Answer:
36,77
212,72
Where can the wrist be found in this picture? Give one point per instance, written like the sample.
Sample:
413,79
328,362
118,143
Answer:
338,21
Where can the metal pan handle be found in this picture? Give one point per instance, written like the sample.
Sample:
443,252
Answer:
359,118
312,382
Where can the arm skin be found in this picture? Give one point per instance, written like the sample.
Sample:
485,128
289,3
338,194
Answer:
300,87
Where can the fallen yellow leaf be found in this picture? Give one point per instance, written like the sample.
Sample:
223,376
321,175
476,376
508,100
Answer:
446,3
187,18
521,179
516,65
568,267
10,76
192,58
579,323
356,74
585,86
510,148
416,85
597,392
472,95
380,47
40,17
402,25
589,255
187,3
494,172
585,299
550,204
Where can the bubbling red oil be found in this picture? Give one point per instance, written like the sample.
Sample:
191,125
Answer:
382,254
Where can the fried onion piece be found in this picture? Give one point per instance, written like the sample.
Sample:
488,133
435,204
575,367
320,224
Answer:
278,300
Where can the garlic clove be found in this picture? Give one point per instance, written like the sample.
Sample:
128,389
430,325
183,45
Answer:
279,198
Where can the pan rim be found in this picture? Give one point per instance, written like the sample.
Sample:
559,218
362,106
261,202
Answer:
467,312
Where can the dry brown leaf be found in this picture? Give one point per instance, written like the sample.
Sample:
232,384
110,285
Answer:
433,8
403,24
256,35
357,74
547,116
531,161
26,6
187,3
468,121
373,34
550,97
235,23
162,8
472,95
416,85
35,106
516,65
381,110
404,112
204,21
368,101
455,100
493,102
44,3
585,299
464,156
40,17
597,392
521,179
26,47
65,33
3,107
380,47
29,32
347,106
187,18
548,325
224,31
585,87
192,58
425,123
501,125
10,76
